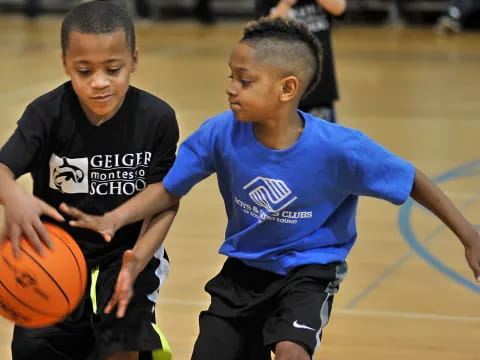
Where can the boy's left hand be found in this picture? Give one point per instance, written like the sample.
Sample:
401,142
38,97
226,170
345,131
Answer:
124,288
472,253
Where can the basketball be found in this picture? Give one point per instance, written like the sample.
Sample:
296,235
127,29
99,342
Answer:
37,291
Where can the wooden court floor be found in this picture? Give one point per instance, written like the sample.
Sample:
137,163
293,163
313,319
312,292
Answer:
409,293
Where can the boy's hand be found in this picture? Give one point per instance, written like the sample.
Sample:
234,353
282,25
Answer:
124,288
22,218
282,9
104,224
472,253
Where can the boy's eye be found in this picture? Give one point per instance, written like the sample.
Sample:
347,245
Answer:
83,71
113,71
241,81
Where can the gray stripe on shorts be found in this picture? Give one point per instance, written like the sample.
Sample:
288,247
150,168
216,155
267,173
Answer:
161,273
331,289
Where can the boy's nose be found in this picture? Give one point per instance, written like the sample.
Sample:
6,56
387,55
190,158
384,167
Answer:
230,90
100,82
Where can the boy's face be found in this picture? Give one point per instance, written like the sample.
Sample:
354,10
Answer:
254,89
99,66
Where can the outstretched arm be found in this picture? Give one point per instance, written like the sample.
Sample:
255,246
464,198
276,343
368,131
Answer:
150,239
153,200
429,195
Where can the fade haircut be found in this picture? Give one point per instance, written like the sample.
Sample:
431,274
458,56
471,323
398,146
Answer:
97,17
287,44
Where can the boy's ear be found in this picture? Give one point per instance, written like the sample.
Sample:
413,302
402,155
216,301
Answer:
64,63
135,60
289,88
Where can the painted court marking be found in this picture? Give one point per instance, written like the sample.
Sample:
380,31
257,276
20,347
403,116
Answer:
351,312
466,170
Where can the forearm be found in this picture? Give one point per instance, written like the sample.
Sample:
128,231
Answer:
152,236
153,200
429,195
334,7
145,226
7,183
282,8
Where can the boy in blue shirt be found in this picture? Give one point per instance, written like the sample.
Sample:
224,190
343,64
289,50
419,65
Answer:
290,183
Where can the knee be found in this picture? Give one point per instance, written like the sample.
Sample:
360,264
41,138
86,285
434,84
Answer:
288,350
124,355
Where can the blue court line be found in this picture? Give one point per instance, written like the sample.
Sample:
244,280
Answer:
465,170
389,271
409,235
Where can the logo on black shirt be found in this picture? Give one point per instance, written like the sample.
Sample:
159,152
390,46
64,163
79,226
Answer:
105,174
67,173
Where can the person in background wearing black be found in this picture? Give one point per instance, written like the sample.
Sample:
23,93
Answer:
458,10
317,16
203,12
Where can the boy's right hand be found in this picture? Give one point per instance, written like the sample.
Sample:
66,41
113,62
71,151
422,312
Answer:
22,218
472,253
123,291
104,225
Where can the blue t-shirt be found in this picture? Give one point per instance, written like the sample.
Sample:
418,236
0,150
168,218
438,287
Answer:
295,206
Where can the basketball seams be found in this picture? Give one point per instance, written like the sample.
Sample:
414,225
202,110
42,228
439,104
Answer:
47,273
26,304
56,281
75,258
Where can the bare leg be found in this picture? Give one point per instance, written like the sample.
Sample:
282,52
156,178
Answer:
291,351
123,355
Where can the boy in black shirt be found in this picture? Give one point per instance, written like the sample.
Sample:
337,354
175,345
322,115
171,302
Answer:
94,141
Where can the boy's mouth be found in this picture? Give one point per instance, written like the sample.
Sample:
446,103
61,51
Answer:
102,97
234,105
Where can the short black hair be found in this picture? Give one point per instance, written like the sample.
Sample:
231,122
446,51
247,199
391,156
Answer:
97,17
287,42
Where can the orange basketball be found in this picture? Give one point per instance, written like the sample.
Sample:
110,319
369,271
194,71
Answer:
36,290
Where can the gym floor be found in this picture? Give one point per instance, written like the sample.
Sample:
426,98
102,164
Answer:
409,293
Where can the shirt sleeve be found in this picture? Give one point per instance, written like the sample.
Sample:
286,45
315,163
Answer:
163,156
25,144
375,171
195,161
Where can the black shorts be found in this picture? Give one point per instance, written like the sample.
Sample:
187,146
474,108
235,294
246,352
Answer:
88,333
251,310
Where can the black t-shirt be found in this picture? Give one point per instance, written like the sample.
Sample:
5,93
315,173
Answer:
318,21
94,168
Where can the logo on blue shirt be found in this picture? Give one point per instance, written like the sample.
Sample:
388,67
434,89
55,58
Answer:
271,194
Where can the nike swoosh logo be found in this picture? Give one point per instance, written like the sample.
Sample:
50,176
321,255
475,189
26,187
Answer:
301,326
